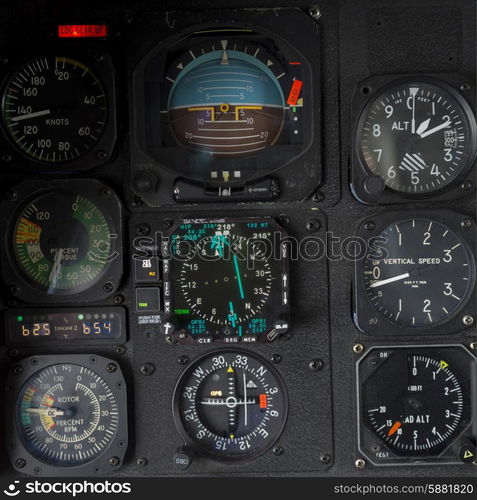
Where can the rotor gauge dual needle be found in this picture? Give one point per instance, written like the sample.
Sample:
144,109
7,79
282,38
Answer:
67,415
415,404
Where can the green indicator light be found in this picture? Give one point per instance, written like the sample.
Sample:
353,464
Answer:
19,318
80,316
143,304
181,311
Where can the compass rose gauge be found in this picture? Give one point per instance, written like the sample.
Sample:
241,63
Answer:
69,414
419,137
230,405
423,274
65,240
415,402
227,280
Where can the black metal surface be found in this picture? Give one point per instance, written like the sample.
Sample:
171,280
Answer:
354,41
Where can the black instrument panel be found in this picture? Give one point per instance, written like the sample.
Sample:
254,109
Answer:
239,241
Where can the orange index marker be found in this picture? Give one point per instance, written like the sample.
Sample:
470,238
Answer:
394,428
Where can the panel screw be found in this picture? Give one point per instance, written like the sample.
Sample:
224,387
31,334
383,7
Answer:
278,451
119,299
121,349
468,320
326,459
318,197
17,370
360,463
315,13
101,154
108,287
466,223
313,225
283,220
316,365
358,348
276,358
111,367
14,289
11,196
136,202
369,226
183,360
106,192
13,353
466,185
6,157
114,461
99,57
20,463
166,223
37,471
143,229
465,87
473,346
141,462
148,369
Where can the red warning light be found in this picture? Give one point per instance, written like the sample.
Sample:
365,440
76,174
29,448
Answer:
263,401
82,31
294,92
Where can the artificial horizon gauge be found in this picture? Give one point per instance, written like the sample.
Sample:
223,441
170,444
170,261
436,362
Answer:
230,405
418,136
226,280
226,99
68,413
422,274
55,109
414,403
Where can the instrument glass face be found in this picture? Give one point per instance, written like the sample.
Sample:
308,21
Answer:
67,415
62,242
418,137
230,405
226,103
54,109
415,402
228,281
423,274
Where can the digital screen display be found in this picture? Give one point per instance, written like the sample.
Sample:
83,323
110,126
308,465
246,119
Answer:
86,325
82,31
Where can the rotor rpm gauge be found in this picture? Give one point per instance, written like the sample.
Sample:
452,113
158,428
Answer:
230,405
54,109
422,275
415,402
227,280
226,102
70,412
418,136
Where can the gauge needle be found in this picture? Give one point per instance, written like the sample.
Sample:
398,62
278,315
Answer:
27,116
423,126
390,280
47,412
239,278
245,399
413,92
394,428
56,265
435,129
